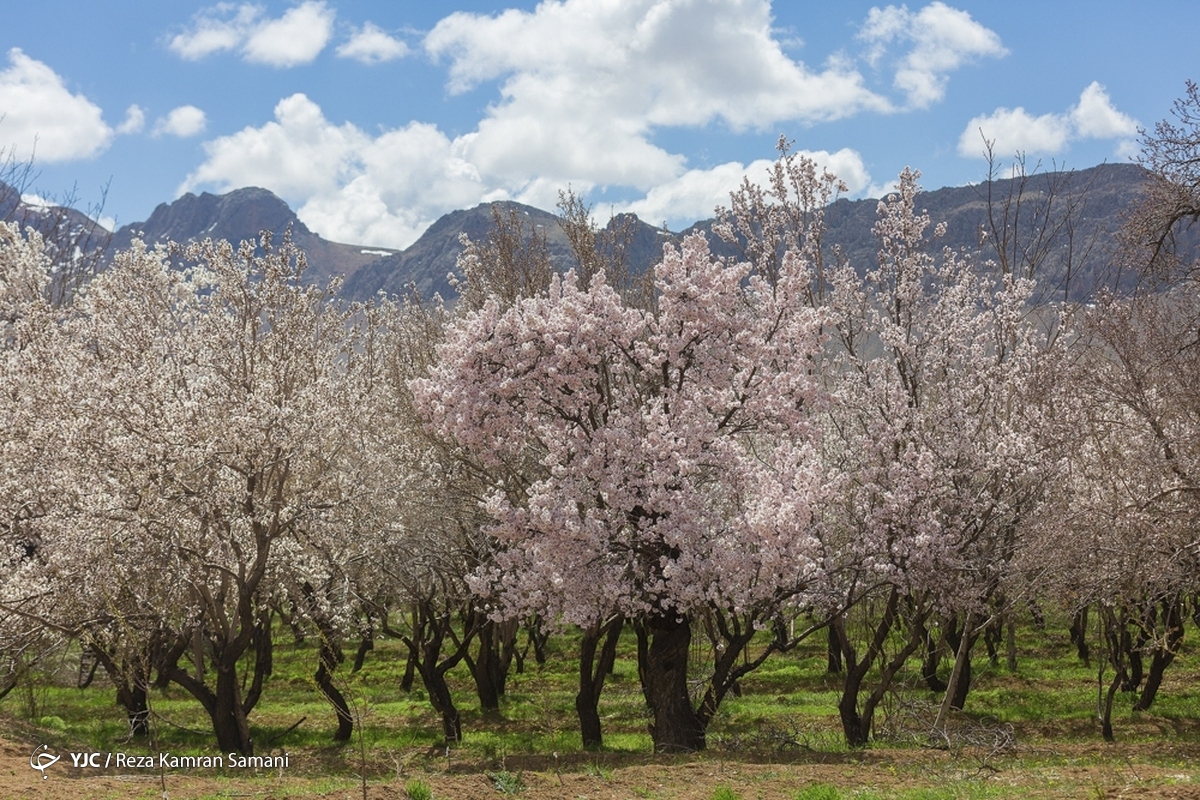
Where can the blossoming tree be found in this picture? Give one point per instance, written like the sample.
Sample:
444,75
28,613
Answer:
677,473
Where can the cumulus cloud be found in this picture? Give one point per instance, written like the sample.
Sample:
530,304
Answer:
380,190
182,122
582,90
213,30
584,84
696,193
1095,117
134,122
293,39
370,44
941,40
1015,130
42,118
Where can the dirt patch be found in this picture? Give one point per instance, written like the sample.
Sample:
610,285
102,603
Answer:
1094,771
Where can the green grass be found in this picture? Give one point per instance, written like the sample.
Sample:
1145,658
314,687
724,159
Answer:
787,708
417,789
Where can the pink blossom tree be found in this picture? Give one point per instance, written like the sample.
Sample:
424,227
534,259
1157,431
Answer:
677,473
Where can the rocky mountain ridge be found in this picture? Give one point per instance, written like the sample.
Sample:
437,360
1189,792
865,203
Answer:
1066,220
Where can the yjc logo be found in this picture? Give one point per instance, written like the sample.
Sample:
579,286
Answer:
40,761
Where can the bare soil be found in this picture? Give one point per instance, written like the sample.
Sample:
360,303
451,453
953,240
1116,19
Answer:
1085,770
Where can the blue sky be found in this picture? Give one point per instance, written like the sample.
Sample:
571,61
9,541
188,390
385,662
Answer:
372,119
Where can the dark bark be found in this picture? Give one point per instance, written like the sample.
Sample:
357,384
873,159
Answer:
1079,623
664,674
1114,627
410,663
993,637
539,637
360,655
597,653
490,666
432,628
857,722
954,638
931,660
410,672
222,702
365,646
329,656
1163,653
328,659
1133,655
833,653
131,677
88,664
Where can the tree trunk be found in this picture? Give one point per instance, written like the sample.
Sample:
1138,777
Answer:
1079,634
538,637
833,653
593,670
930,661
229,720
1113,630
664,682
365,646
131,680
442,701
410,673
432,625
330,656
961,641
1164,653
960,675
490,668
856,725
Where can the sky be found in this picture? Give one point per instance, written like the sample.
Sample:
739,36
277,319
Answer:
374,118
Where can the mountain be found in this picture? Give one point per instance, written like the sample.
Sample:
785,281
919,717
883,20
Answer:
242,215
425,266
1066,220
62,226
1096,197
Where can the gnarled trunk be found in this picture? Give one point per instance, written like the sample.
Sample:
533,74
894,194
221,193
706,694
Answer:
663,664
593,670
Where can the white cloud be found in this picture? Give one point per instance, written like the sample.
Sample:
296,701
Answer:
297,155
1017,131
222,27
584,84
293,39
372,45
583,88
35,200
942,38
39,117
135,120
382,190
1095,117
696,193
182,122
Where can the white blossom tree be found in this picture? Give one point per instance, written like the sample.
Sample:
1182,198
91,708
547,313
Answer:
937,444
213,417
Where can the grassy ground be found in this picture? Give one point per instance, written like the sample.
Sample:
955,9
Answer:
1031,733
